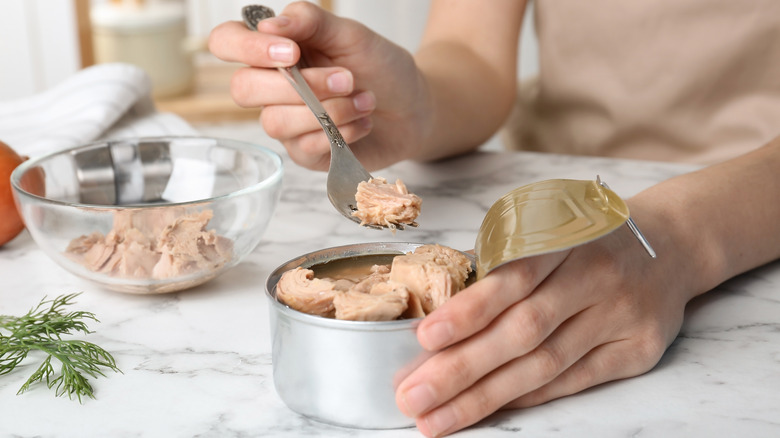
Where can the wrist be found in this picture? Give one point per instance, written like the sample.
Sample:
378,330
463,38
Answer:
686,254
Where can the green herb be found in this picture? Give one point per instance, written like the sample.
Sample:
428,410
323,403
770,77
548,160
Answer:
42,329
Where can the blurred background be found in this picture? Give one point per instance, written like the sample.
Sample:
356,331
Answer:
44,41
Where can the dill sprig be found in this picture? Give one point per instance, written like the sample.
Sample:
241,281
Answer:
42,329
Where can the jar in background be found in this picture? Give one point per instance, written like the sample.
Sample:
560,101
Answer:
149,34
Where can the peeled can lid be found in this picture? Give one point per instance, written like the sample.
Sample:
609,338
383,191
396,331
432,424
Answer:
544,217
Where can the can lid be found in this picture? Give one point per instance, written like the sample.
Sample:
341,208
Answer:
544,217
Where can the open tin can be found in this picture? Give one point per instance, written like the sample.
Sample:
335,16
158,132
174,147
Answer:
342,372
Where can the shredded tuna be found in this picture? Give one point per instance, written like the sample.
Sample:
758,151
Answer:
379,274
300,290
153,244
384,204
186,246
414,285
385,302
433,273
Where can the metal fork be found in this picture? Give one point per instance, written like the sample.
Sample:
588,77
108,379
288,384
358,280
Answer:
345,171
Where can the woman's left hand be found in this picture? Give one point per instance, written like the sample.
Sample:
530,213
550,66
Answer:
545,327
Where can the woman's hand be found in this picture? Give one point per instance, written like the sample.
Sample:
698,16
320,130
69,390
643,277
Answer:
546,327
370,87
389,106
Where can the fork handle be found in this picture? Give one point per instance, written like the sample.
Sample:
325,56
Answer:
251,15
294,76
341,169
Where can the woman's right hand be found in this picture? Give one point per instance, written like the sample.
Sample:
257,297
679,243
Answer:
370,87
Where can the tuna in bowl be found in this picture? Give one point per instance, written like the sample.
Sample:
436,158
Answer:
151,214
338,371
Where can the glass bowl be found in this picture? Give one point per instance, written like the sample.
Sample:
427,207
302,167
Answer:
149,215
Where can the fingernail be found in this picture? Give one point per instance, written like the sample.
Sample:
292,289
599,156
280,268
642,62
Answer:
281,52
340,82
436,336
365,101
440,421
418,399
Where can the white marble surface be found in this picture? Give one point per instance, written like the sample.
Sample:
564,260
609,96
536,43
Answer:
198,363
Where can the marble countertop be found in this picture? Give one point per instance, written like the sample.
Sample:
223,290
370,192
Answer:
198,363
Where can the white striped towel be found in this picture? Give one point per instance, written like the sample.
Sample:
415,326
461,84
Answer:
99,102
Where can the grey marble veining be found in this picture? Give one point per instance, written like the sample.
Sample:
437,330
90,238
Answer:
198,363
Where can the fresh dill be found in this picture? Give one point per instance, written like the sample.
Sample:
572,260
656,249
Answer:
42,329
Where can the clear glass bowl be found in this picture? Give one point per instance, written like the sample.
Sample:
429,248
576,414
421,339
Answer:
149,215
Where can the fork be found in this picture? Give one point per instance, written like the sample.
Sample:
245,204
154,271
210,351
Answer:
345,171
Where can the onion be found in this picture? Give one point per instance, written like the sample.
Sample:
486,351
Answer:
10,222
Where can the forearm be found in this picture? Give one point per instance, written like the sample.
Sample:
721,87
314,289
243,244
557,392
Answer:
470,76
720,221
